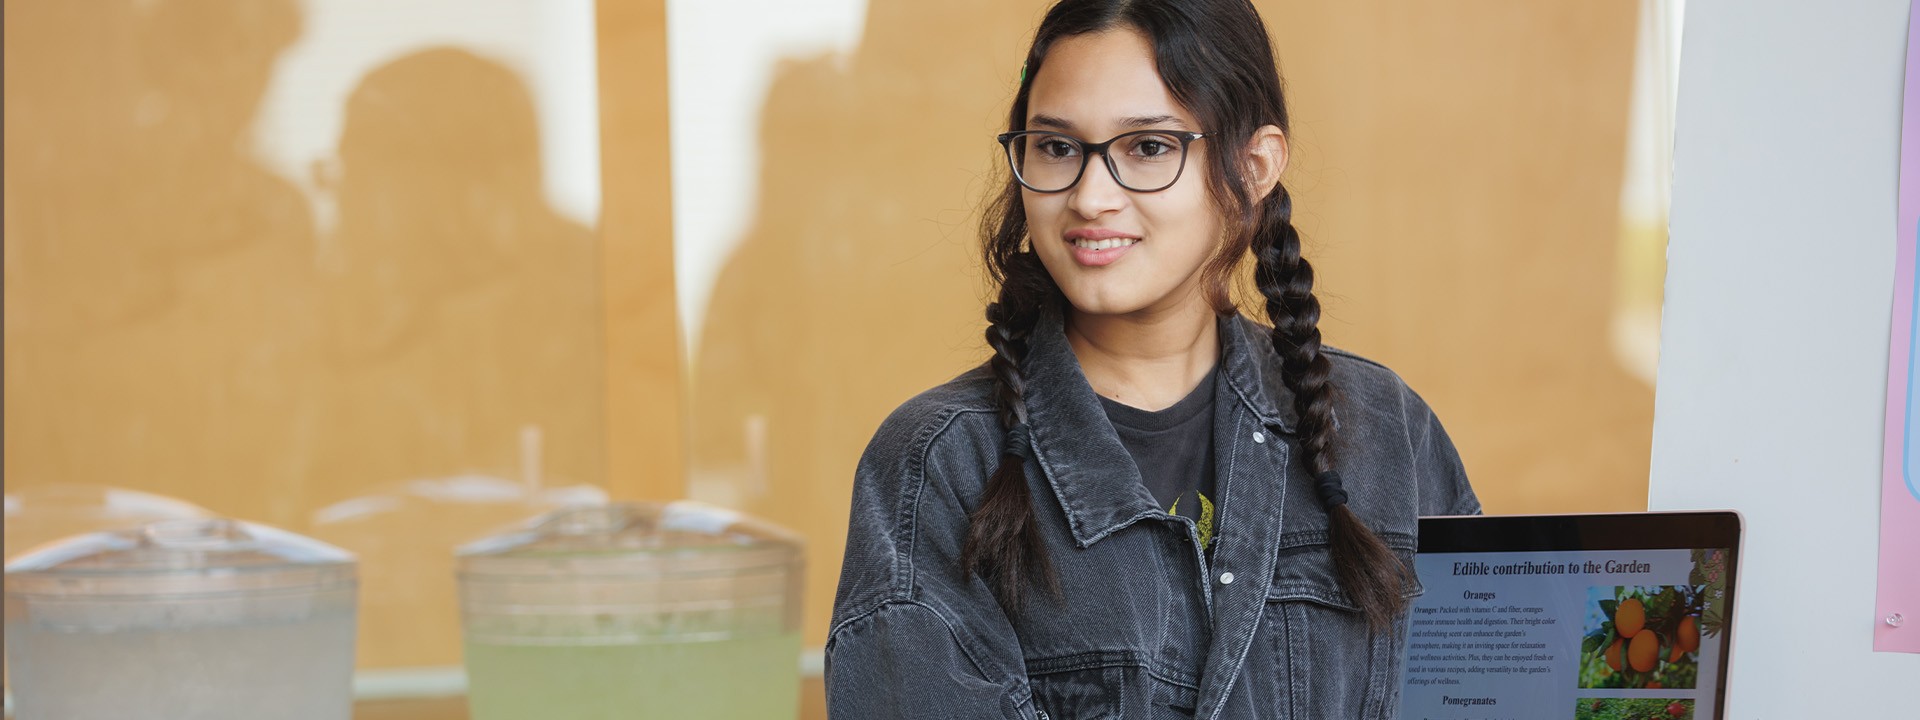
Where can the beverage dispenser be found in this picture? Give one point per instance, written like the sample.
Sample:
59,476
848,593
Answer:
633,611
213,619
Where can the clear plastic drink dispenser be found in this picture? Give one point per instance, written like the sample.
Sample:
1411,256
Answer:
633,611
213,619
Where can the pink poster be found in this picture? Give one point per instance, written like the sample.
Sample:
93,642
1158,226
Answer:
1897,627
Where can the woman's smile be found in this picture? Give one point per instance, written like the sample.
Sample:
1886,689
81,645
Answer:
1095,247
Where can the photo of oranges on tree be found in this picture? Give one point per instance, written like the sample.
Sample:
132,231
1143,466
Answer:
1643,637
1632,709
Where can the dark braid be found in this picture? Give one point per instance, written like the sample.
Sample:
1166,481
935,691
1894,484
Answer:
1003,542
1369,571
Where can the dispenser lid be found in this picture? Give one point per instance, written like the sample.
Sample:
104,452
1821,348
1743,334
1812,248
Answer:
174,558
632,538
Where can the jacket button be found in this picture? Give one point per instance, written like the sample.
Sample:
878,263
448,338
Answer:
1226,578
1260,437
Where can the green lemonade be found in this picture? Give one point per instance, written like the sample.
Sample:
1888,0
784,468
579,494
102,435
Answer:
751,677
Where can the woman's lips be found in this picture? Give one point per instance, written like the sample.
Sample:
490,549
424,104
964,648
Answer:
1091,257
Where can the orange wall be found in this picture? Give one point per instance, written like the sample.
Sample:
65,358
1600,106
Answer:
1460,170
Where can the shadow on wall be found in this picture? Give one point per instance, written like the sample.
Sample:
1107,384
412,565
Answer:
1462,165
856,285
174,325
108,101
462,311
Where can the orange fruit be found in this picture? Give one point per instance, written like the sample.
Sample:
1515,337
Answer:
1643,651
1630,618
1655,685
1613,653
1688,636
1675,655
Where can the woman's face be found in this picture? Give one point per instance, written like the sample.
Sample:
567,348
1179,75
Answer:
1114,251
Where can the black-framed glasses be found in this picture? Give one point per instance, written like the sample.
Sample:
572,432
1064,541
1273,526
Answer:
1141,161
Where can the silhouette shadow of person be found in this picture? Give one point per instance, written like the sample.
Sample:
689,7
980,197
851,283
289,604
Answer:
462,324
856,284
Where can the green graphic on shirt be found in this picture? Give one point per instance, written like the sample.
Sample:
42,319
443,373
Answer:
1204,524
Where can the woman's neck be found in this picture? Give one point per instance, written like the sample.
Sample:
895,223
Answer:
1148,360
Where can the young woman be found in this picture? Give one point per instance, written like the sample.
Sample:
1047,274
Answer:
1144,505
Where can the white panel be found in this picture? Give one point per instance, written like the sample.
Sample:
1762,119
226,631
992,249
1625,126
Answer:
1774,348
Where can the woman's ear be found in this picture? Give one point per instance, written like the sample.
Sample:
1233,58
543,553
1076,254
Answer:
1266,159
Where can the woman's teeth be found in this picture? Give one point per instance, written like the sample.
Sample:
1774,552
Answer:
1107,244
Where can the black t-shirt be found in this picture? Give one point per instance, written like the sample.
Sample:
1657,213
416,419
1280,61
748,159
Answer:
1174,450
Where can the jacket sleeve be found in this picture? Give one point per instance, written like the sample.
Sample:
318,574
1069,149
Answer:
1444,489
912,637
905,660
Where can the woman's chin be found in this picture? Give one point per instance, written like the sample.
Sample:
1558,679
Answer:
1107,304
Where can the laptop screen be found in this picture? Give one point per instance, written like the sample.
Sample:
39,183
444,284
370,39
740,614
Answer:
1593,617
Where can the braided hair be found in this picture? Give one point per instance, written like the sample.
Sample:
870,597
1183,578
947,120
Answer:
1368,570
1216,58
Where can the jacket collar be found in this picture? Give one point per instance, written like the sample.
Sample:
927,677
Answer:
1253,371
1076,447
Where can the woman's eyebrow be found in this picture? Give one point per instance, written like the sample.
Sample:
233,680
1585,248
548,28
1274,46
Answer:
1050,121
1149,121
1138,121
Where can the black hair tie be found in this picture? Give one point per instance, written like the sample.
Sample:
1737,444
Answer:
1332,491
1019,442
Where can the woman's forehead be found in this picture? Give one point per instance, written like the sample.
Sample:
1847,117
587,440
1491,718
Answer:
1103,82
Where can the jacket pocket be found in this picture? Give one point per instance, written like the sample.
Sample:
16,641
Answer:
1081,694
1088,686
1328,663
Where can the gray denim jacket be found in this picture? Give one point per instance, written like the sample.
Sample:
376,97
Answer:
1146,628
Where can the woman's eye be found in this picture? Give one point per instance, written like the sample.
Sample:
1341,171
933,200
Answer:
1153,147
1057,149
